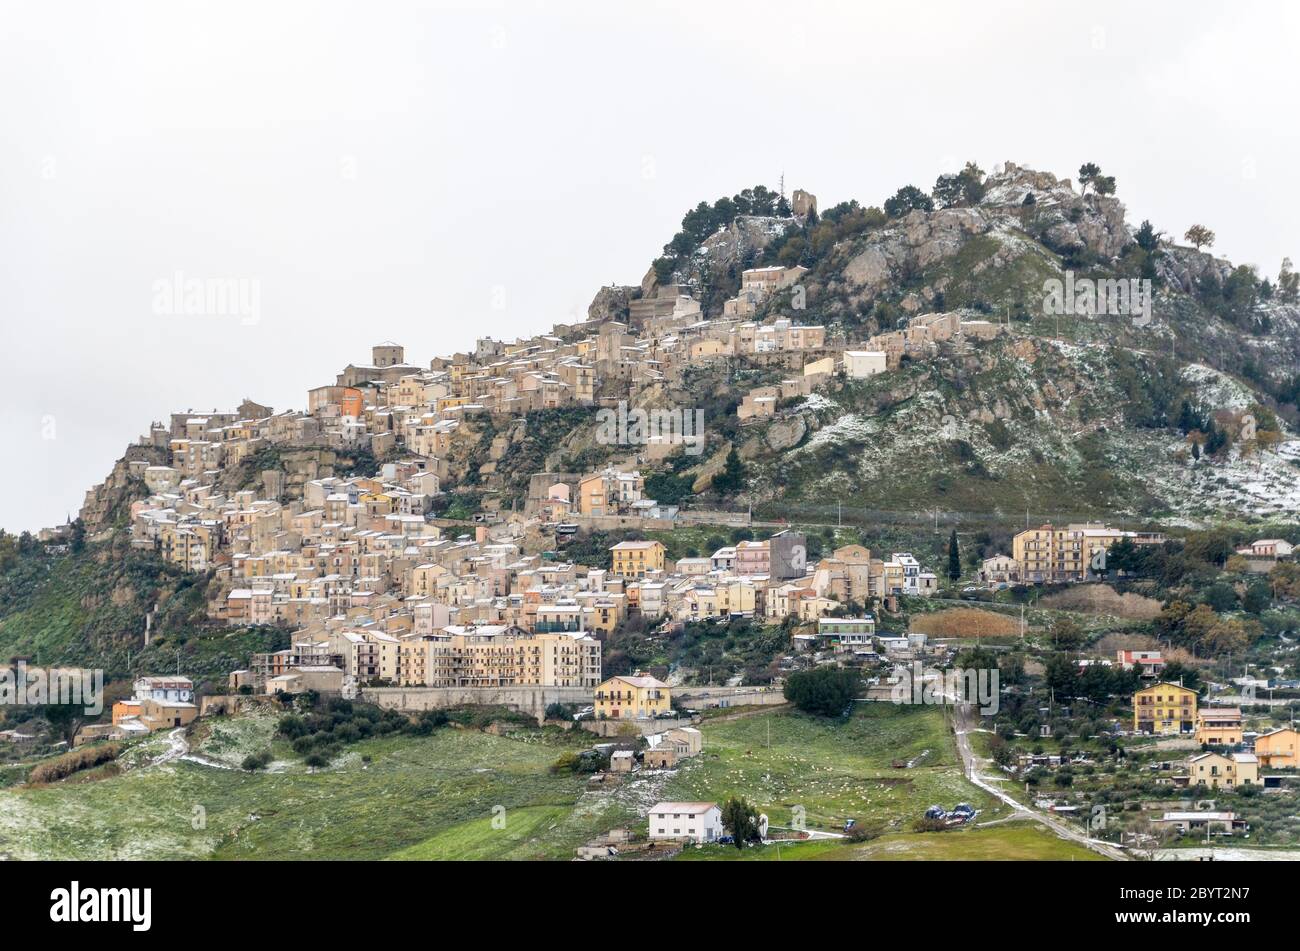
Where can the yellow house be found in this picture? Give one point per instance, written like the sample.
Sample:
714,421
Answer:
591,495
1164,708
635,697
1217,771
634,559
1278,749
604,614
1218,726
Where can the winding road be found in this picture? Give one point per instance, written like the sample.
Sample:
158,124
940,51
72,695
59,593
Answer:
962,729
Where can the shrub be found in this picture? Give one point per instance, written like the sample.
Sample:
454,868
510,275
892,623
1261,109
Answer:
63,766
255,761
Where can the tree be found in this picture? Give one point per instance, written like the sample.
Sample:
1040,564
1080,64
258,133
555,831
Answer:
1147,237
732,477
740,820
954,557
963,188
65,719
1088,173
1066,633
1285,579
77,536
1288,283
908,198
1062,675
1198,236
668,488
823,691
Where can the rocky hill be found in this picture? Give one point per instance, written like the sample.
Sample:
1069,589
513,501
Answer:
1070,413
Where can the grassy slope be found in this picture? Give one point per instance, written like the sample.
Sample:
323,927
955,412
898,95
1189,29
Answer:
433,797
833,770
412,790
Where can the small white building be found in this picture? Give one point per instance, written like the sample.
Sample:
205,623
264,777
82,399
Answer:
692,821
165,689
860,364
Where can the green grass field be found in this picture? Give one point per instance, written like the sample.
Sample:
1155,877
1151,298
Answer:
413,789
833,770
436,797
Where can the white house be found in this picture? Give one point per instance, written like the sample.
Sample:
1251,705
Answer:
165,689
694,821
847,633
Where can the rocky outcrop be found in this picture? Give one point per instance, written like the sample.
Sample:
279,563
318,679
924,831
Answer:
786,433
611,303
1064,220
917,241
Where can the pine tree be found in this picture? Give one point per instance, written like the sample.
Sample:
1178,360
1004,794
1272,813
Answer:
732,477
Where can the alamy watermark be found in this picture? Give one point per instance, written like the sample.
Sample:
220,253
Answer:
639,427
922,686
1106,297
182,296
21,685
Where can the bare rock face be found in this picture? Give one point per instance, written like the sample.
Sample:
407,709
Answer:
918,240
1095,222
1184,268
786,433
706,472
611,303
937,235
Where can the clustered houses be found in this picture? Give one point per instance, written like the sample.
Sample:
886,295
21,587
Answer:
771,579
374,591
880,353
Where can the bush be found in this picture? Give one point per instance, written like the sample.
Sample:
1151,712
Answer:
928,825
63,766
255,761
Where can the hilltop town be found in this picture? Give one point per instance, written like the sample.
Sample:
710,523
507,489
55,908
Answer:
621,546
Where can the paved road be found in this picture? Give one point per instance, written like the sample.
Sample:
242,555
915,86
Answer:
962,728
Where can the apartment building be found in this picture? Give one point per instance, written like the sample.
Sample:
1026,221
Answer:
1053,555
498,655
1164,708
635,559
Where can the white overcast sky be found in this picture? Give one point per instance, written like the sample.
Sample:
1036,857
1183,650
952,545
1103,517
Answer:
434,172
